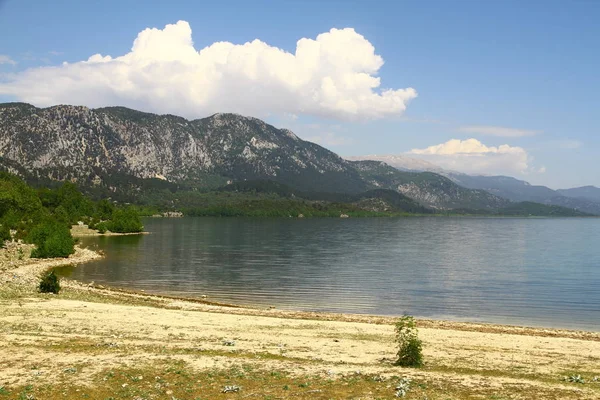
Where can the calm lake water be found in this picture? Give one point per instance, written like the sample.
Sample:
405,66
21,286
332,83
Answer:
536,272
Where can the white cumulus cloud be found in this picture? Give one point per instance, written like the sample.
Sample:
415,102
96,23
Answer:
334,75
473,157
497,131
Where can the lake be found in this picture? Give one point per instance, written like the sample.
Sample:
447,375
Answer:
529,271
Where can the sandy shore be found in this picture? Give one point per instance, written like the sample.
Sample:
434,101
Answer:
101,342
84,231
16,267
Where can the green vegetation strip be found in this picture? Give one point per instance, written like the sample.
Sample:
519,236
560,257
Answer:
176,379
44,217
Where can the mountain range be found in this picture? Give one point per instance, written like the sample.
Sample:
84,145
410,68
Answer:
108,150
585,199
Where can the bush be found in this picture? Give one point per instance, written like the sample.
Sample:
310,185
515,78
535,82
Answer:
4,234
62,215
52,239
125,221
104,209
91,222
49,283
101,227
409,344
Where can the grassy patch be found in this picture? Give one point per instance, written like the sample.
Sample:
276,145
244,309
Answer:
175,379
366,337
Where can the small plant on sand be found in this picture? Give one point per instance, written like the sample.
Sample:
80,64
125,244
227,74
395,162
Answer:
231,389
575,378
49,283
409,344
402,387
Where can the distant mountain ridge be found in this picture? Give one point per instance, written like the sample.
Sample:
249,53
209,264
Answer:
585,192
519,190
115,149
585,199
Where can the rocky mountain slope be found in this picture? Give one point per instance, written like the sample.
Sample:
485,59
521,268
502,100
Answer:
585,199
119,149
68,142
430,189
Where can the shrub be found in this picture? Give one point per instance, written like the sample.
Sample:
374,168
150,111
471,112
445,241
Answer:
49,283
62,215
104,209
4,234
92,222
101,227
52,239
125,220
409,344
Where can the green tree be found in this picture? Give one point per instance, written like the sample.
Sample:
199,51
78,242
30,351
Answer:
125,220
101,227
52,239
17,197
62,215
49,198
4,234
104,210
76,205
19,205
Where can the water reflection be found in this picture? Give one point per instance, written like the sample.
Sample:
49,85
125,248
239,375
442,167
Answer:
523,271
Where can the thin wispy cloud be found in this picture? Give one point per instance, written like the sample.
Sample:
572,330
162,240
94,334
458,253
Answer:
424,120
568,144
330,139
497,131
325,134
4,59
28,56
333,75
562,145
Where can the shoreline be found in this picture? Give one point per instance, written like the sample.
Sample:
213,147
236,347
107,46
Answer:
94,339
78,231
272,311
28,272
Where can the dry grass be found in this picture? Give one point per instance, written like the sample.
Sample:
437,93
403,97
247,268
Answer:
176,379
97,343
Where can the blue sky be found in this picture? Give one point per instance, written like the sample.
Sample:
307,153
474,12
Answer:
519,78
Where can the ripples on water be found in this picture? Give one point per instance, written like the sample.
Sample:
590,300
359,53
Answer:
517,271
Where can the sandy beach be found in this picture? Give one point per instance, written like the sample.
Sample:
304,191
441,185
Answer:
83,230
95,342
